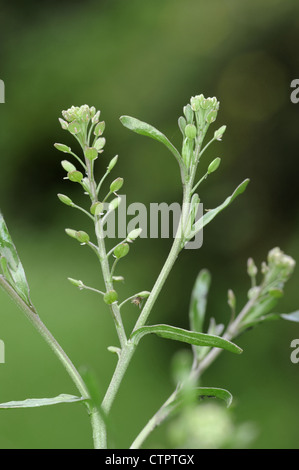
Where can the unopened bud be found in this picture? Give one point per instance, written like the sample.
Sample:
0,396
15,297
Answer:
112,163
251,268
76,283
219,133
134,234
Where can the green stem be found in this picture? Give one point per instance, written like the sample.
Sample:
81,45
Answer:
34,318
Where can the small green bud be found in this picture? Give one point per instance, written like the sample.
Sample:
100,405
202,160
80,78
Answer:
211,116
65,199
63,148
96,117
195,103
143,294
99,143
121,250
134,234
96,208
68,166
251,268
74,127
112,163
82,237
118,278
188,113
190,131
219,133
231,299
63,123
99,129
182,124
75,176
110,297
91,153
213,166
253,292
116,184
76,283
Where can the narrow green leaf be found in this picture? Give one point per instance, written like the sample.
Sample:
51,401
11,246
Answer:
294,316
209,216
198,302
185,336
143,128
35,402
11,265
206,392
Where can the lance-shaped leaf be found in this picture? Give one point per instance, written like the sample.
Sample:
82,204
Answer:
201,393
11,265
185,336
198,302
294,317
143,128
209,216
36,402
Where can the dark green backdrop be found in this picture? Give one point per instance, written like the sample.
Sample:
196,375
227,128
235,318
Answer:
146,59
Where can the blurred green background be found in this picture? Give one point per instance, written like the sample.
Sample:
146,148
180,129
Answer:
146,59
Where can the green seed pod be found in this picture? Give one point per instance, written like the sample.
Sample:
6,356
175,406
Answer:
134,234
97,208
63,148
71,233
68,166
112,163
110,297
219,133
114,203
75,176
99,129
91,153
76,283
99,143
116,184
82,237
182,124
190,131
214,165
74,127
65,199
121,250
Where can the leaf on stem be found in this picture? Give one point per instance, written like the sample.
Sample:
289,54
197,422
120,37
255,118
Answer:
11,265
203,392
185,336
198,302
143,128
209,216
36,402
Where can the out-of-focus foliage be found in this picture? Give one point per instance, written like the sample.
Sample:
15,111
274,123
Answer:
146,59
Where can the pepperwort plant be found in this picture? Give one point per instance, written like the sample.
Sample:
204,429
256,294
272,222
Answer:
84,124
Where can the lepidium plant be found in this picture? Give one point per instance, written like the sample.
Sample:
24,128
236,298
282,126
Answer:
85,126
